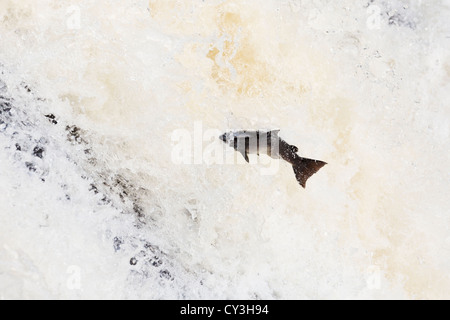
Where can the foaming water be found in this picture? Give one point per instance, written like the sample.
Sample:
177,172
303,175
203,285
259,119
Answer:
106,213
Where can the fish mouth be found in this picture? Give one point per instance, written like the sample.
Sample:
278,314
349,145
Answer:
223,137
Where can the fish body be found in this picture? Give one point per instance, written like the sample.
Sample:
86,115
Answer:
268,142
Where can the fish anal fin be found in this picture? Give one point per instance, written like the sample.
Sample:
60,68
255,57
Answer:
273,134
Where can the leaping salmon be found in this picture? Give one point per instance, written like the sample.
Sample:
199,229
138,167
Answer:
268,142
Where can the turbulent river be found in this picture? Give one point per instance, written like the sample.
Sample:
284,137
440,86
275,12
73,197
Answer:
110,113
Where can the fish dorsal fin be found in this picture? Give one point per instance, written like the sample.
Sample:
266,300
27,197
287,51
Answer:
244,134
273,133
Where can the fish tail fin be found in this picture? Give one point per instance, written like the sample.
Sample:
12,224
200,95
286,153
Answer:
305,168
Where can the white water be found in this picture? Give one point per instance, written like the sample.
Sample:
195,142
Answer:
365,89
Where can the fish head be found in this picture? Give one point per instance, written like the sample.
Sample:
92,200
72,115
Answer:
227,137
223,137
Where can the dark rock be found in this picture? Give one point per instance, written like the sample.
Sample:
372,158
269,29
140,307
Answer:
93,188
30,166
117,243
138,209
165,274
105,201
5,107
38,152
150,247
52,118
74,134
26,87
156,262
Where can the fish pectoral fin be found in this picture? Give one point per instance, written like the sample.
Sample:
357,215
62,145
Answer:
245,155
